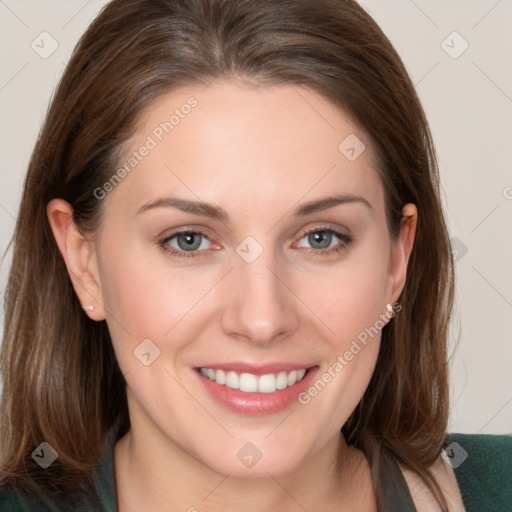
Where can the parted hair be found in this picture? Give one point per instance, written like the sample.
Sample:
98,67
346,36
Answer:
61,380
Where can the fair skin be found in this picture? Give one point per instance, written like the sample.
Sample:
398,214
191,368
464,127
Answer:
259,154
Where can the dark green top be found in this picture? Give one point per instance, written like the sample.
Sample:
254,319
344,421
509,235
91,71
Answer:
482,465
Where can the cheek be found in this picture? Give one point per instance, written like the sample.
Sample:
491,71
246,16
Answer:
141,288
348,297
353,310
143,300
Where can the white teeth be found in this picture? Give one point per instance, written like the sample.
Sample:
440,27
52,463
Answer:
232,380
292,378
250,383
267,383
282,380
220,376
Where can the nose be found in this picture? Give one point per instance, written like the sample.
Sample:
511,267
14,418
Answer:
260,308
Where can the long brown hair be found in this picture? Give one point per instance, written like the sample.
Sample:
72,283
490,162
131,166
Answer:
61,381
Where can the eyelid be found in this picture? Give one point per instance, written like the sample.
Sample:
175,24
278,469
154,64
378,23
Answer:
203,237
321,227
163,240
344,238
170,233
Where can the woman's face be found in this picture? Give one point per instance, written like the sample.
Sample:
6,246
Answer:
270,280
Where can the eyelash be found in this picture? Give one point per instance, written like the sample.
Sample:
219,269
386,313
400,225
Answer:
344,239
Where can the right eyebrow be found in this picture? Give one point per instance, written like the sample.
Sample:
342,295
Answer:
194,207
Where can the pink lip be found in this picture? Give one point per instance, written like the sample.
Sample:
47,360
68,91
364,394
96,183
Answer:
256,404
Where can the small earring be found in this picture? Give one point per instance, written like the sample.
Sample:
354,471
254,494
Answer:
89,308
389,307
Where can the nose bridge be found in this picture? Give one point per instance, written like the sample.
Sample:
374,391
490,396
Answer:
259,307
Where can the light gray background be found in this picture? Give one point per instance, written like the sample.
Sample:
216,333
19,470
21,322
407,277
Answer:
468,101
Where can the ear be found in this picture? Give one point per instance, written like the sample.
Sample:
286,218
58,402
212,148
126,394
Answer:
401,251
79,255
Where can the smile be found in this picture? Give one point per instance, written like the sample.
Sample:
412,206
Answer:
251,383
255,390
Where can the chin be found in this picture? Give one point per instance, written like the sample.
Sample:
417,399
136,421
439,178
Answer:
246,459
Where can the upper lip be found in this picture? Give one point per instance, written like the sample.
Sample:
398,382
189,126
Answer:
257,369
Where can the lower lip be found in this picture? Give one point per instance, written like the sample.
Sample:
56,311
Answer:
257,403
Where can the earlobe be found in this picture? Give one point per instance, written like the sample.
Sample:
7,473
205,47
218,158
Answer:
401,251
79,255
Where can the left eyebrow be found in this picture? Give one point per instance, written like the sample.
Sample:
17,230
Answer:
328,202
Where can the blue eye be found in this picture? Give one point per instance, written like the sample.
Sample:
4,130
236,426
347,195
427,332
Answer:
323,238
190,242
321,241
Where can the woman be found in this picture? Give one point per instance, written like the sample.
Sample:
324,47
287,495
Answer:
232,276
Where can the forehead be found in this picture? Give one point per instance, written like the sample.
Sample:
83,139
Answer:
232,141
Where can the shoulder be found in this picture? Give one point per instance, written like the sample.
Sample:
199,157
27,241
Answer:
482,464
8,501
13,499
24,494
423,499
474,472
